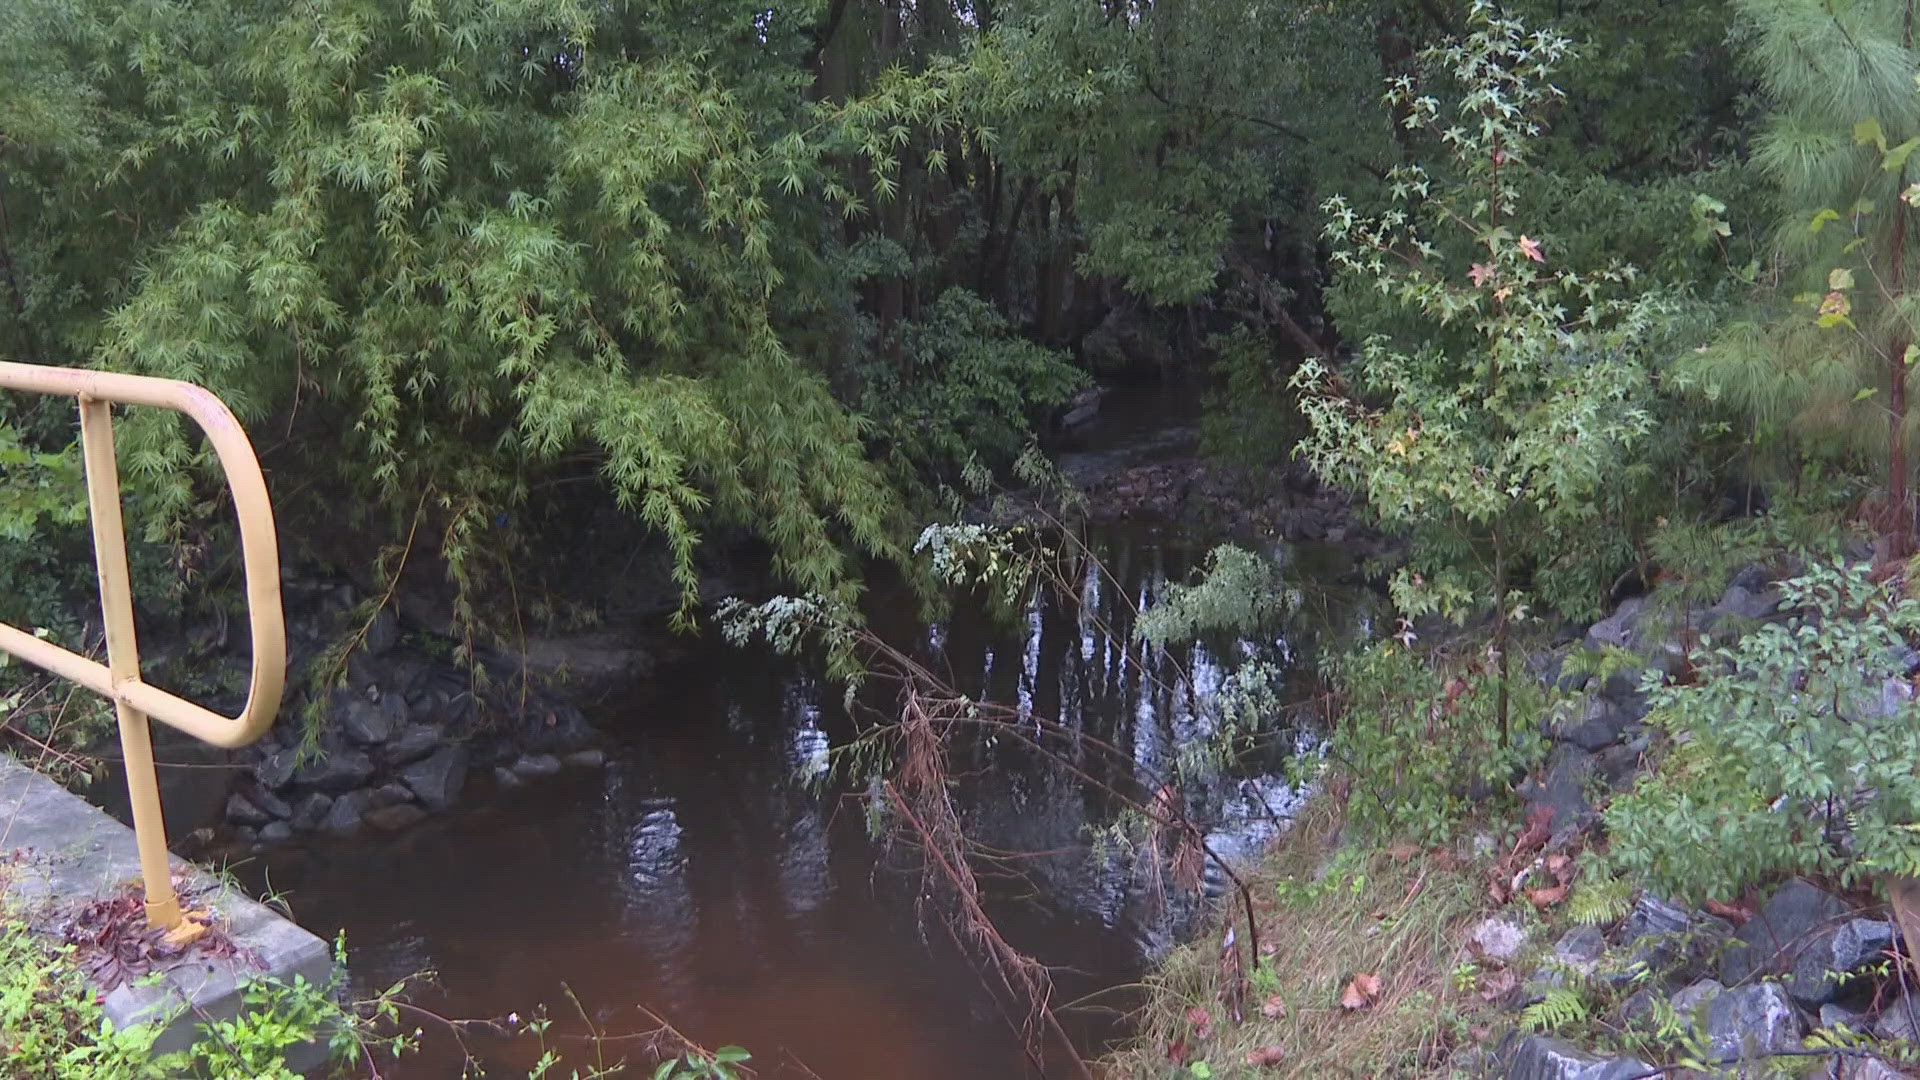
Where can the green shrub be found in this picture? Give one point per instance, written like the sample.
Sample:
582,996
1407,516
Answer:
1791,754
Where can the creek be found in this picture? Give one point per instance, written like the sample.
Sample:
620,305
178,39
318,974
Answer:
698,876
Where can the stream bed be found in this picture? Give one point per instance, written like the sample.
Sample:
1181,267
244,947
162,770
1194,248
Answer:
699,877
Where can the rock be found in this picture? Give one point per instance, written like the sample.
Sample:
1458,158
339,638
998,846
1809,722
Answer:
1834,1015
1638,1008
276,770
1540,1057
347,812
1822,967
276,832
1688,1003
1652,915
506,779
1752,1021
595,659
586,759
1126,342
536,765
336,770
1605,722
1082,409
1580,948
561,731
242,811
1866,1068
1770,940
1499,938
383,633
438,778
394,818
363,722
309,812
1743,605
1899,1020
1618,629
1752,577
412,744
391,794
271,803
1563,791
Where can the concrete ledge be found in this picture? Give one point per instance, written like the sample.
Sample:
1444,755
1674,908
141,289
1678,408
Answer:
67,853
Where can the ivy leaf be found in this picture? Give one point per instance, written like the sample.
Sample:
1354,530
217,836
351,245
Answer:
1868,131
1896,158
1839,278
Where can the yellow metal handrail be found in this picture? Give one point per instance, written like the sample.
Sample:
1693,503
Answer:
119,678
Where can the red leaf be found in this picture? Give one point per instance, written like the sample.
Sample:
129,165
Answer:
1361,992
1201,1020
1265,1056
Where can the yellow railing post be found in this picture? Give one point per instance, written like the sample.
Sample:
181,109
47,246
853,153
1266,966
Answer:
119,680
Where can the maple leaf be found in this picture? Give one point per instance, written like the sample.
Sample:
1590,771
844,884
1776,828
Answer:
1361,992
1273,1008
1480,273
1201,1020
1531,249
1265,1056
1546,898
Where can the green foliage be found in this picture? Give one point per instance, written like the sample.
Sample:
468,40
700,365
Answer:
1791,754
1239,593
1500,440
1419,738
721,1064
964,386
1250,418
52,1025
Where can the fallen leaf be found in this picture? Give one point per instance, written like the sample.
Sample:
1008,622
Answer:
1546,898
1177,1051
1361,992
1498,891
1737,914
1265,1056
1403,851
1558,863
1273,1008
1498,984
1201,1020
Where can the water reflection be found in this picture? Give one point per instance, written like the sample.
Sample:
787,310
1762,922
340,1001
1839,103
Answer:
701,877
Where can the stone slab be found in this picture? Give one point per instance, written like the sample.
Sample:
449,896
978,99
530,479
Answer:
67,852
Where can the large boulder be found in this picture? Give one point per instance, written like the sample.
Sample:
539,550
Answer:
437,779
1753,1021
336,770
413,743
363,722
1562,792
1772,940
1823,967
1541,1057
1604,722
347,812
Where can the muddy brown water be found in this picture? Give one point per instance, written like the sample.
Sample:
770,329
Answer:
698,876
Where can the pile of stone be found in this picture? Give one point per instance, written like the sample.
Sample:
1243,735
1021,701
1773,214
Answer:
1806,961
404,732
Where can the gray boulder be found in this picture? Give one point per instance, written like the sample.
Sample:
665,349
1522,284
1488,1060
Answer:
1619,629
1691,1003
1822,967
276,770
276,832
383,633
392,793
1771,940
1580,948
309,812
1540,1057
1753,1021
363,722
586,759
437,779
347,812
1604,722
1563,791
413,743
1899,1021
242,811
531,766
1743,604
394,818
336,770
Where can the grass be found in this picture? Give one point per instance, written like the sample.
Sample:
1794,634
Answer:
1327,912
